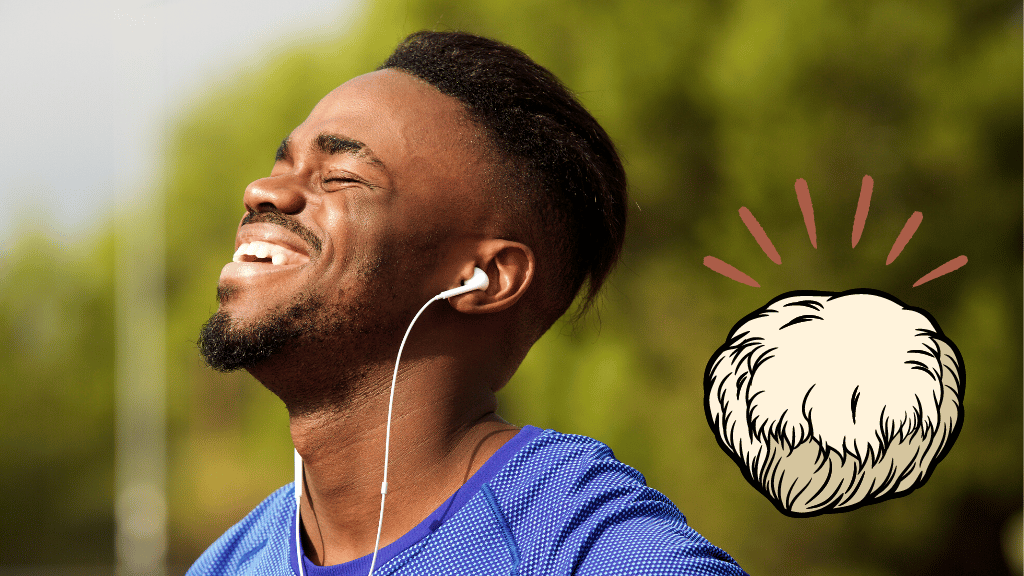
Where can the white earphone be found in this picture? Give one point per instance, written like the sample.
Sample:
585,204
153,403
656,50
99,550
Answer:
479,281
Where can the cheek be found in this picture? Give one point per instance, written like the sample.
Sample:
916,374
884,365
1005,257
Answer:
358,229
342,227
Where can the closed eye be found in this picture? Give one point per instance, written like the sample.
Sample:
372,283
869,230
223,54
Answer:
336,182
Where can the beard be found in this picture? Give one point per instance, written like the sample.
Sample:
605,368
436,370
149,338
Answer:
365,327
227,346
292,335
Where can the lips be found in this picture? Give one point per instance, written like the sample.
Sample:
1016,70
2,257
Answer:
264,251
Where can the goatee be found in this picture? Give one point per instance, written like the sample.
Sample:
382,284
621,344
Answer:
227,346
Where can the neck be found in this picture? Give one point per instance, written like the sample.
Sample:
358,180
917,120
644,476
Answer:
442,432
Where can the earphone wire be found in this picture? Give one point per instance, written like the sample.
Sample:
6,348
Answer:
479,281
298,508
387,434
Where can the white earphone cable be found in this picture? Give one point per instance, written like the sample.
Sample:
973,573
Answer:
298,507
387,435
479,281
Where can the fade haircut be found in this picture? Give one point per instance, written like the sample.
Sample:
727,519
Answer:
559,185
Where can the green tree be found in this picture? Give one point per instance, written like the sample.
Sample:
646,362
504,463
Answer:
57,374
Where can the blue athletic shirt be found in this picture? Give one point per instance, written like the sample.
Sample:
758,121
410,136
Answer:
544,504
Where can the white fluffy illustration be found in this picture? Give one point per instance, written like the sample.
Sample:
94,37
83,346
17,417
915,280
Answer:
832,401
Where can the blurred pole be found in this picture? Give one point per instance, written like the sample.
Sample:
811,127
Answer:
141,411
141,502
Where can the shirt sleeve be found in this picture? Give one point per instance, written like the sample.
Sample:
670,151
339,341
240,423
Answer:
647,537
622,526
576,510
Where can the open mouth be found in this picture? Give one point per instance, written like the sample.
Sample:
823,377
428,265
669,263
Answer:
265,252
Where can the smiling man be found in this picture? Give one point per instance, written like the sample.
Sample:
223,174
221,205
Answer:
458,154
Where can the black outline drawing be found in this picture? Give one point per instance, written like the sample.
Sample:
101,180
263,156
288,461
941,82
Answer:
873,439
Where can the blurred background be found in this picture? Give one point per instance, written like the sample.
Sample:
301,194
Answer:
130,130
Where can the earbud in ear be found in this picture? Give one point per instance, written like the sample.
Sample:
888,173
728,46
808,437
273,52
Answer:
479,281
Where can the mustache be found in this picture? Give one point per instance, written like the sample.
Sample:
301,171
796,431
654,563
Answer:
275,216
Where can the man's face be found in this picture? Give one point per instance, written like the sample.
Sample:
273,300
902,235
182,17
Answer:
351,231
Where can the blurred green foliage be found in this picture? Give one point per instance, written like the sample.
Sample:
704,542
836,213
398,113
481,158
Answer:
714,105
57,374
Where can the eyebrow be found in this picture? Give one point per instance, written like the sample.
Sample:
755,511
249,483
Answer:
333,144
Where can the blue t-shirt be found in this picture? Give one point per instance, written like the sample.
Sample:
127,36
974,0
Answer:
544,504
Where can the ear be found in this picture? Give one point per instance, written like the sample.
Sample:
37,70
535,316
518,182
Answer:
509,266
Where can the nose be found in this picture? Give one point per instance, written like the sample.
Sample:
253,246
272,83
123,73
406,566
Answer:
283,193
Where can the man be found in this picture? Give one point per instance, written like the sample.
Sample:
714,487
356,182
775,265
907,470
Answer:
457,153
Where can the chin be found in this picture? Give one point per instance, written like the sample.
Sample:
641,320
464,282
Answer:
228,343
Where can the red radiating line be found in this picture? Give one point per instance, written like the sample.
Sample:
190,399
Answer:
905,235
803,196
758,233
863,204
942,270
729,272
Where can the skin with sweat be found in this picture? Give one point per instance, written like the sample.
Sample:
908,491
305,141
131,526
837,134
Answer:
376,203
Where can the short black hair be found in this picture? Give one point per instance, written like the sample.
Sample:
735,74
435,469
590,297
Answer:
561,181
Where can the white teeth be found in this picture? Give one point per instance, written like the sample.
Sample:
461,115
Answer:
238,253
258,250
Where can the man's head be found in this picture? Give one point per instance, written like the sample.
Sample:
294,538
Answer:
458,152
559,186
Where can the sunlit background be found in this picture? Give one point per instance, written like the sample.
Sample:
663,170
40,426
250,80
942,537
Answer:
130,130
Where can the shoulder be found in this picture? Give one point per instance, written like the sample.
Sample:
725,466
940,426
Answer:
259,544
567,469
572,507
